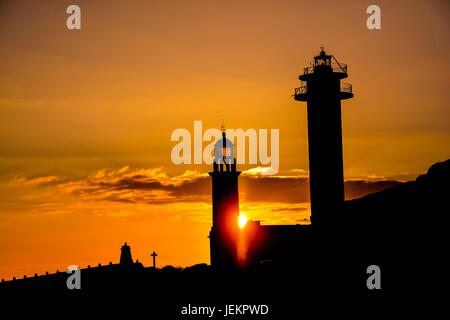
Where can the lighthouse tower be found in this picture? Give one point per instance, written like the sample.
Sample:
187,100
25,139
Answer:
323,91
225,203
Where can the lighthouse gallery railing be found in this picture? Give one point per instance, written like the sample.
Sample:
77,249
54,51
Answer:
345,87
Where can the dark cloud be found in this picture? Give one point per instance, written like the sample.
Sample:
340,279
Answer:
359,188
289,209
273,189
296,190
155,186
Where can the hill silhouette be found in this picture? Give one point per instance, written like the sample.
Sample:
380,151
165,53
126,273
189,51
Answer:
405,218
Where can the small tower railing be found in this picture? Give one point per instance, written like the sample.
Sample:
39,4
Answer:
337,67
346,87
300,90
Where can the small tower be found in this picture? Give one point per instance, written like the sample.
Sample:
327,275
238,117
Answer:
125,255
322,90
225,203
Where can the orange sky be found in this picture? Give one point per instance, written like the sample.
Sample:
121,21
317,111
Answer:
83,111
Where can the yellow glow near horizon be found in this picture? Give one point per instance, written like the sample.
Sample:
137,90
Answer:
242,221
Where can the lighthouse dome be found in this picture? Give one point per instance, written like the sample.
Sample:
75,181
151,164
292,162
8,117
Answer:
223,148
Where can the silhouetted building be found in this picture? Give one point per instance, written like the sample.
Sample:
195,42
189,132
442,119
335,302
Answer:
225,205
322,90
233,246
125,255
287,244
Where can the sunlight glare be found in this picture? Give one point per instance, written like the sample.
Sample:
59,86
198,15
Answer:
242,221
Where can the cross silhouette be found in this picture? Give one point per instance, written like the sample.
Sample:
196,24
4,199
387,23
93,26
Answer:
154,254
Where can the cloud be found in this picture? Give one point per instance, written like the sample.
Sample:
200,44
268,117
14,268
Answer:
289,209
277,212
261,172
359,188
34,181
275,189
293,186
151,193
139,186
155,186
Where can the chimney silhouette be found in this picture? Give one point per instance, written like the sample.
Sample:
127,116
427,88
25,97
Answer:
225,205
322,90
125,255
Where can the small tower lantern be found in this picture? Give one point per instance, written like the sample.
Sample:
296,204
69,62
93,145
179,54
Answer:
224,150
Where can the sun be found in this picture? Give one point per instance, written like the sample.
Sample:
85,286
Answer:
242,221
